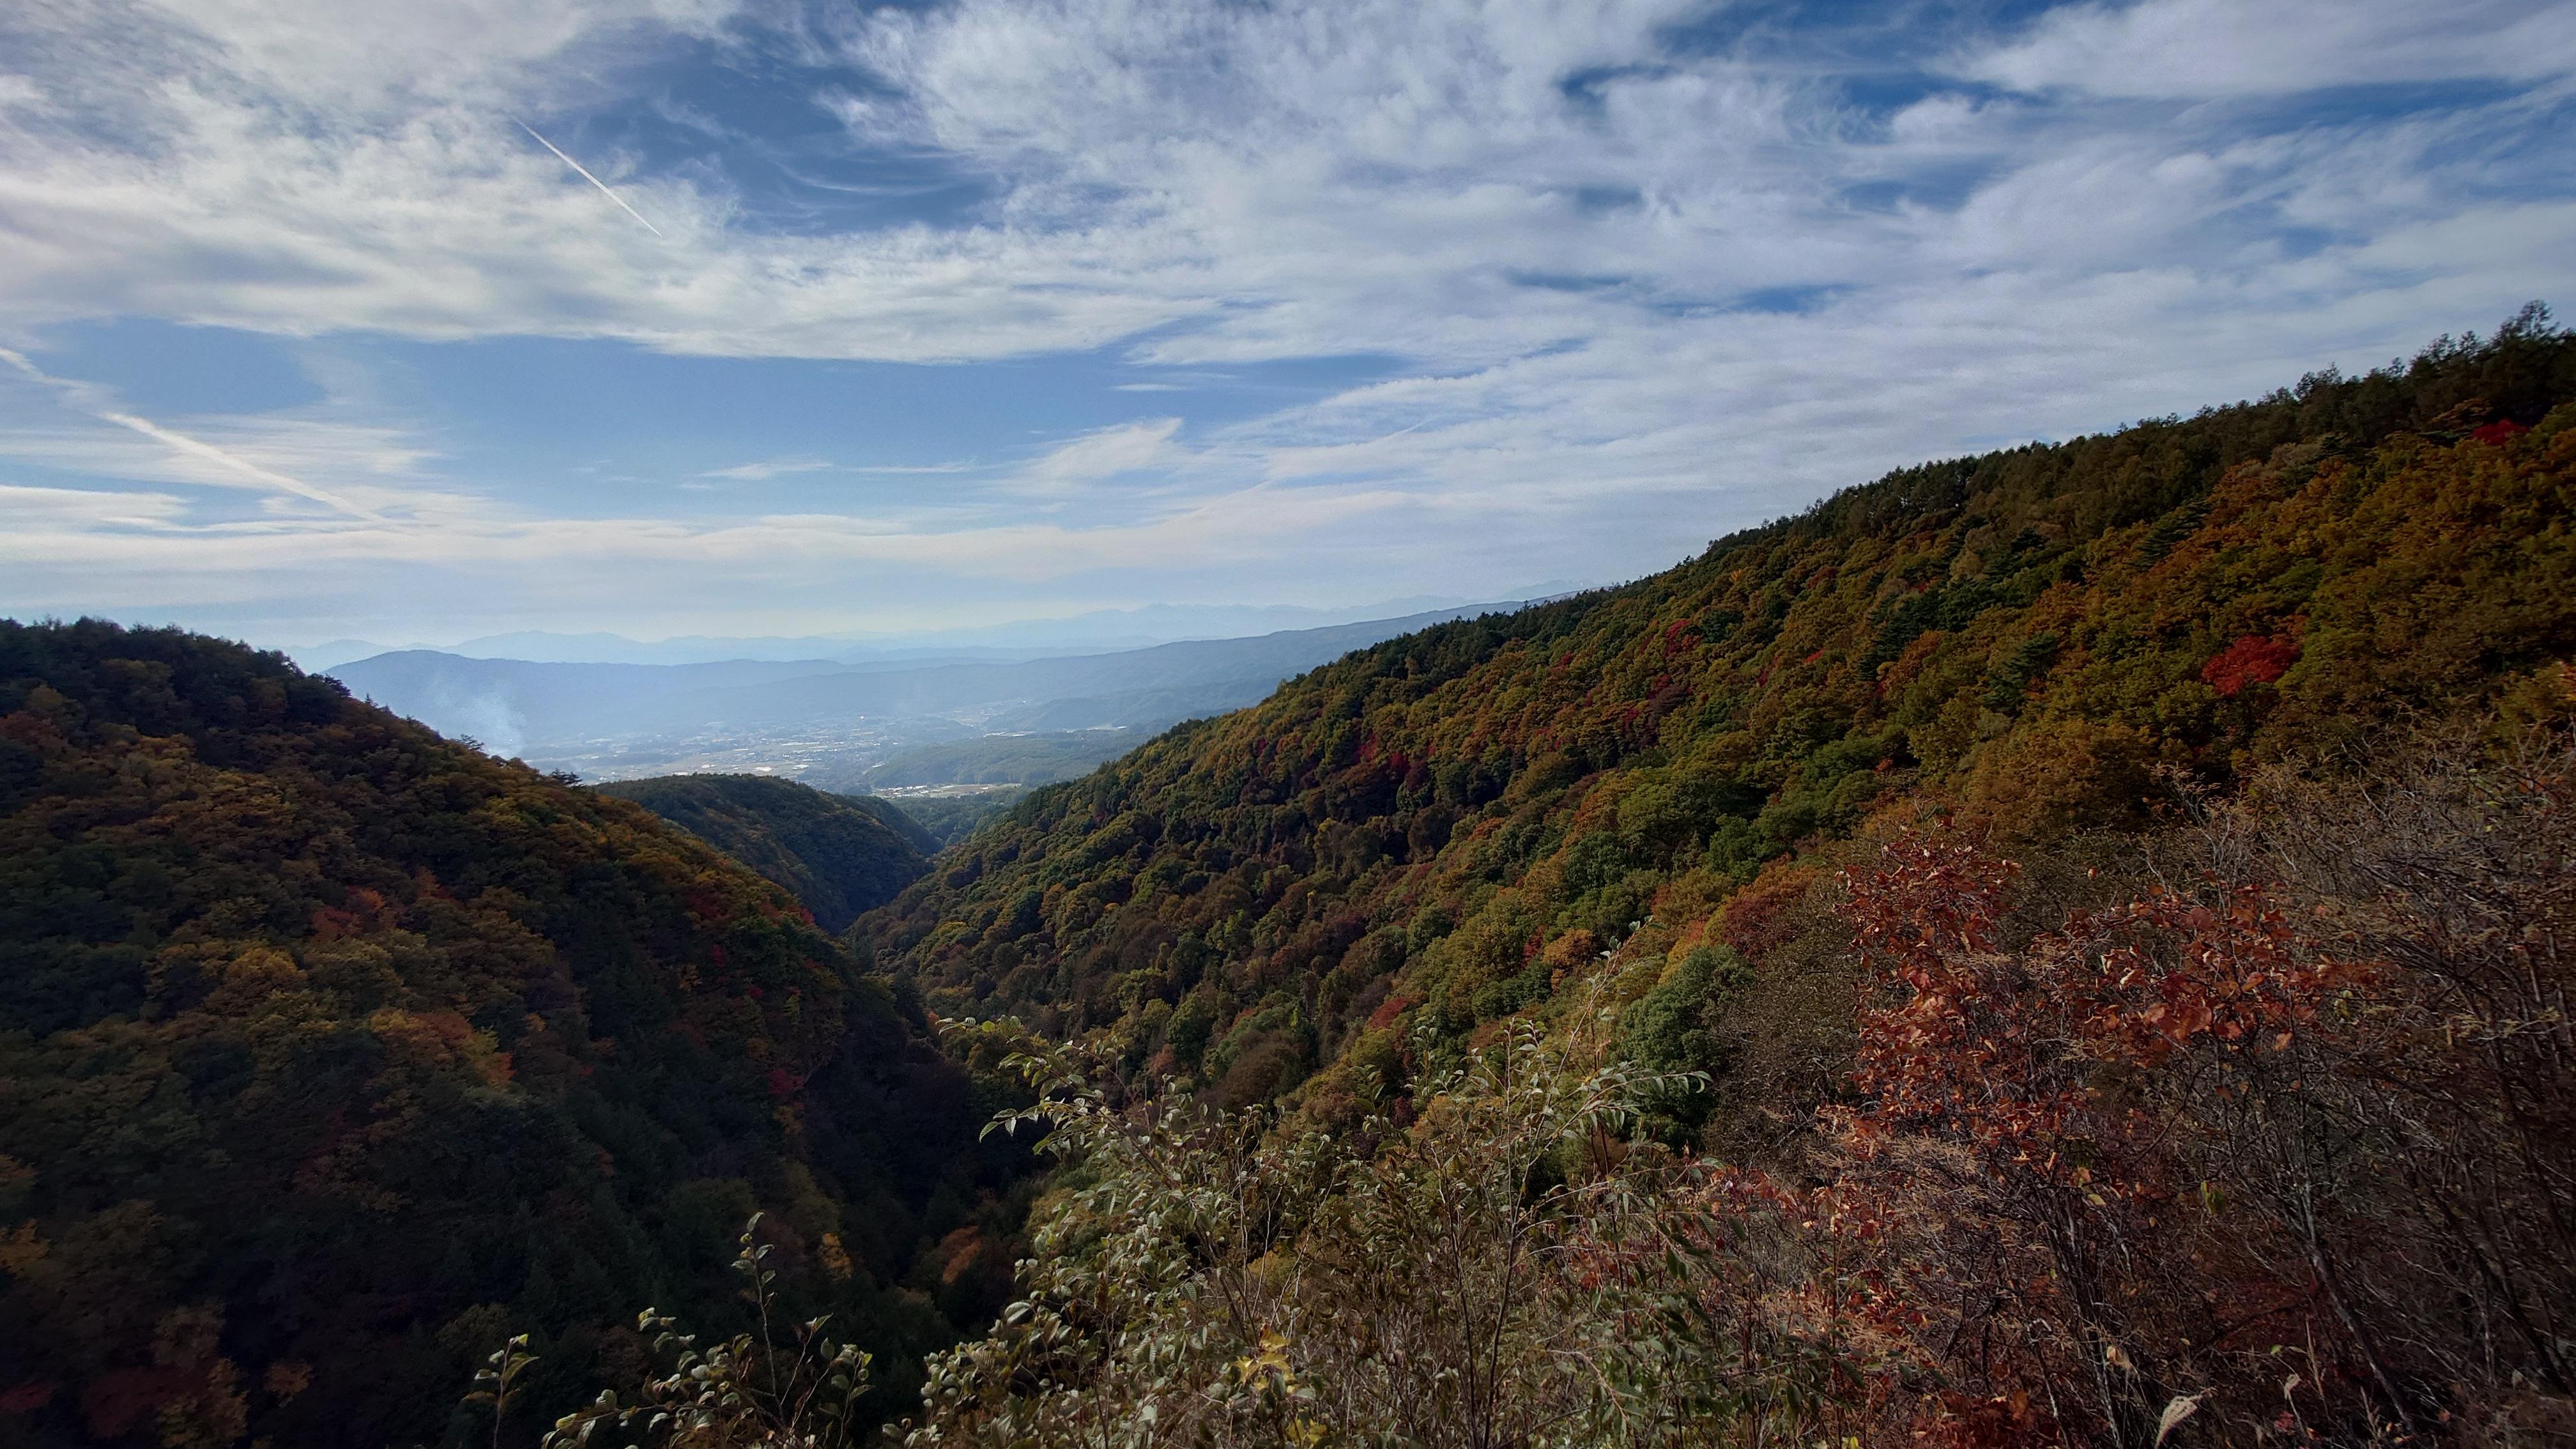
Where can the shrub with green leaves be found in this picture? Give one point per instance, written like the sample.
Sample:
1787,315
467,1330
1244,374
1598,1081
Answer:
1500,1261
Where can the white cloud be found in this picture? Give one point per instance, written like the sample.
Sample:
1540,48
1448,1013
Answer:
766,469
196,459
1100,456
2195,48
1635,297
43,509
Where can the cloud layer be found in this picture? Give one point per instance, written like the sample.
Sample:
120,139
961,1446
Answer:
1630,272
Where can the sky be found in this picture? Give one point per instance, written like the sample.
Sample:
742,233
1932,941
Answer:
733,317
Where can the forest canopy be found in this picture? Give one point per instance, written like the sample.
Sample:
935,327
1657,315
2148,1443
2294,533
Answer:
839,855
332,1052
1440,827
2057,947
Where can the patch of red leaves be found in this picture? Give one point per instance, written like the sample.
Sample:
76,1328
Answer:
2253,659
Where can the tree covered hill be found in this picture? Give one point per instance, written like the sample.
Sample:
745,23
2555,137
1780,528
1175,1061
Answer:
1439,829
332,1052
840,856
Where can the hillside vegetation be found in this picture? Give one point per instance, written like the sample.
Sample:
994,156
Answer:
332,1053
2063,947
840,856
1442,825
2056,947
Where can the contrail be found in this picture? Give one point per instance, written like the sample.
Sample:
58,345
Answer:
179,442
586,176
195,448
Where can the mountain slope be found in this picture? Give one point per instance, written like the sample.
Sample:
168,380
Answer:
838,856
1437,828
331,1052
913,831
1036,759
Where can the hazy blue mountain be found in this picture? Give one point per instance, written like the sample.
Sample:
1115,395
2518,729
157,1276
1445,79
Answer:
331,654
1095,632
1198,676
516,706
1138,709
509,704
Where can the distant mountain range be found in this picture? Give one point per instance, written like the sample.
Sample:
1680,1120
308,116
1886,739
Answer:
1095,632
529,707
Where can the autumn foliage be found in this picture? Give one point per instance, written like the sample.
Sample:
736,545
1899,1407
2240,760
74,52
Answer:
2280,1152
332,1052
2034,634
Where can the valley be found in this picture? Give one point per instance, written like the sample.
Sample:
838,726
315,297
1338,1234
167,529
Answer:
2091,900
850,724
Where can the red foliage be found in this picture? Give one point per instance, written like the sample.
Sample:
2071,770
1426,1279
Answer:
28,1397
1391,1008
329,924
122,1398
2010,1170
2499,432
2253,659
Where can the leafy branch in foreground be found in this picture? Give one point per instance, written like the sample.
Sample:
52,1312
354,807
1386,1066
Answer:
736,1393
1505,1264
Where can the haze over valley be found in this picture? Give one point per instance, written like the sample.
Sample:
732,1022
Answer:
873,721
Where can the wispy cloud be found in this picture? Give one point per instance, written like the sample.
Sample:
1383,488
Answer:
1101,456
1631,273
2205,48
766,469
242,471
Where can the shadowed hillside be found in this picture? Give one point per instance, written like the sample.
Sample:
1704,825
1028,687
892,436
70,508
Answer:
840,856
331,1053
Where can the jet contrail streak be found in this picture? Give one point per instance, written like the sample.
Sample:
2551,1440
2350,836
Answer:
179,442
182,443
586,176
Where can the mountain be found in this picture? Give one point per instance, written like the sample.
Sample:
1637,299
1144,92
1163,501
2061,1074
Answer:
1185,674
333,1052
949,815
2057,948
1030,759
838,856
1435,830
510,704
909,827
1093,632
541,709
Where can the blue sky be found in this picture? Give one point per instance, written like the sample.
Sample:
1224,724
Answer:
888,318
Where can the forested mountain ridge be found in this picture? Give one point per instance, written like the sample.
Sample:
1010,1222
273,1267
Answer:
1438,829
332,1052
839,855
